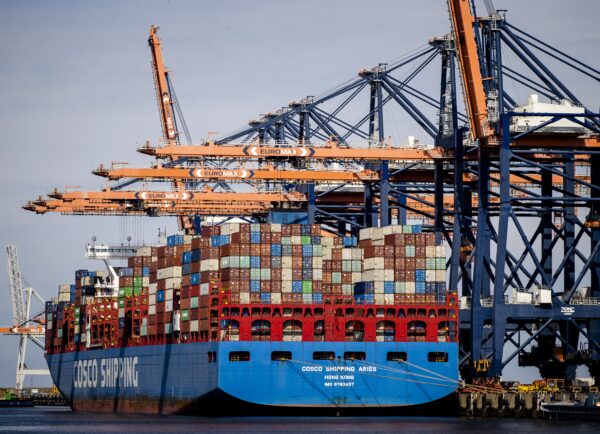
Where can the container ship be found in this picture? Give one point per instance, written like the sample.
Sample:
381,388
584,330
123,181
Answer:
266,316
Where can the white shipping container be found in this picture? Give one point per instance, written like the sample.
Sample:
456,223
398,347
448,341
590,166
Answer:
296,239
364,234
121,312
225,262
440,275
317,262
378,287
356,277
152,299
388,274
169,283
286,262
440,251
204,288
194,325
317,274
286,286
275,227
275,298
346,254
244,297
286,274
176,321
172,272
168,305
49,325
145,281
152,288
410,287
160,273
389,298
144,251
152,309
169,294
327,241
430,275
377,234
397,229
430,251
379,298
209,265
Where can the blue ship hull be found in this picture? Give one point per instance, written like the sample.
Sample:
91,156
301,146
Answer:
192,377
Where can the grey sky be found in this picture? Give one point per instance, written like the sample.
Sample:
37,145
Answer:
76,91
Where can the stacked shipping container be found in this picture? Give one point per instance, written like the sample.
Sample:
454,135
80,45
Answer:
177,291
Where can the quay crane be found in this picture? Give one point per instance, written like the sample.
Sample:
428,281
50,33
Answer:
492,173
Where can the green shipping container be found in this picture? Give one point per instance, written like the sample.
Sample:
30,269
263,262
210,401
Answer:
307,286
137,281
185,315
194,302
306,239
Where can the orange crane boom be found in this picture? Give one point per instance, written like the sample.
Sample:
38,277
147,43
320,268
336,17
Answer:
180,196
237,174
327,152
464,36
165,102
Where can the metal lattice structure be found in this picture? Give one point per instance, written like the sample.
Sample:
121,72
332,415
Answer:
25,326
512,187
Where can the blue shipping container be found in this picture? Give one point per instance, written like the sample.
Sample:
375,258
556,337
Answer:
296,286
255,286
195,255
307,250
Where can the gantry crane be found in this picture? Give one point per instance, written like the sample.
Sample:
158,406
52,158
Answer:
26,326
488,173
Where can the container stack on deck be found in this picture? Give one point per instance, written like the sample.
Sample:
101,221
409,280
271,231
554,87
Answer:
192,288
